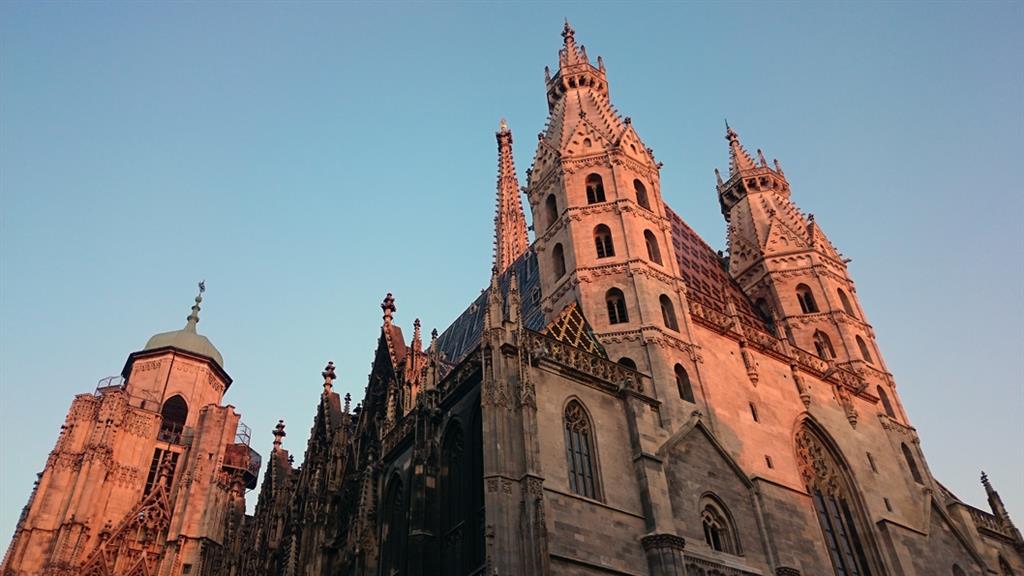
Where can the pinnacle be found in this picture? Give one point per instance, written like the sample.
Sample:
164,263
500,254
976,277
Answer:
739,159
510,237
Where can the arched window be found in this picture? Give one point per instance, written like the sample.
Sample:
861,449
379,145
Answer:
668,313
683,384
718,529
958,571
864,352
603,241
172,419
885,402
616,301
595,189
806,298
831,491
393,531
845,300
579,449
641,194
912,464
551,208
823,344
653,252
558,260
627,362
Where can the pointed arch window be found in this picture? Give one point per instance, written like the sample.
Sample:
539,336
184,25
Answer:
834,502
603,241
911,463
719,532
668,313
864,352
595,189
579,448
653,251
845,301
551,209
641,194
173,415
823,345
393,531
885,402
806,298
558,260
683,384
616,301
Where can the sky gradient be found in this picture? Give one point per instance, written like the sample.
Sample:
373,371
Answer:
305,159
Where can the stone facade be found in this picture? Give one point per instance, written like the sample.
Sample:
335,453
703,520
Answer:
621,400
148,473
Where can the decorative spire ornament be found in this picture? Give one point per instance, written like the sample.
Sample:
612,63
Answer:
329,377
388,306
193,318
279,433
510,237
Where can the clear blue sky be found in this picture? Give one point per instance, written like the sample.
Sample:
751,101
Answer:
307,158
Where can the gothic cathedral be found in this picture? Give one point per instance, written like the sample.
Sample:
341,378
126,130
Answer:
621,400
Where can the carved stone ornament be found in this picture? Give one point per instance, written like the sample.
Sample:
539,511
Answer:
817,467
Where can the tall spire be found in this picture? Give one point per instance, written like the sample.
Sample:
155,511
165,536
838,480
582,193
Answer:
193,318
279,434
570,53
739,159
510,239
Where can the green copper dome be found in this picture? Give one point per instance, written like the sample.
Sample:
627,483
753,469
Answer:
187,339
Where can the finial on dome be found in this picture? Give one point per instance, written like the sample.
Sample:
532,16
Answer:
193,318
329,377
388,306
279,433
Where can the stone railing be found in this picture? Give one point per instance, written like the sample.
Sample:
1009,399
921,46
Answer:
701,566
398,432
539,346
985,521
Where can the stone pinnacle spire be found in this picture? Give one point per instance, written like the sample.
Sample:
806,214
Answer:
279,434
193,318
510,239
739,159
570,53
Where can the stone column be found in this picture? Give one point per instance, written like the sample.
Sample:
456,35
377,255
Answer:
664,554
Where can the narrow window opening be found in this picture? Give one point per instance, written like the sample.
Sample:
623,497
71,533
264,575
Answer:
886,405
683,384
603,241
616,301
653,251
864,352
871,462
579,446
888,505
551,207
823,345
641,194
806,298
595,189
668,313
173,415
753,412
558,260
768,461
847,305
912,464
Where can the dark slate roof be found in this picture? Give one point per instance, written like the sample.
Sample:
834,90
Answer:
462,336
705,275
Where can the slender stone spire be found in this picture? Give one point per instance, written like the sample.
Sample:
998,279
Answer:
739,159
278,435
193,318
388,306
570,54
329,377
995,502
510,239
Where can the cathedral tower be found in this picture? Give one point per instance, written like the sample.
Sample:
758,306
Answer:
604,237
792,273
148,473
